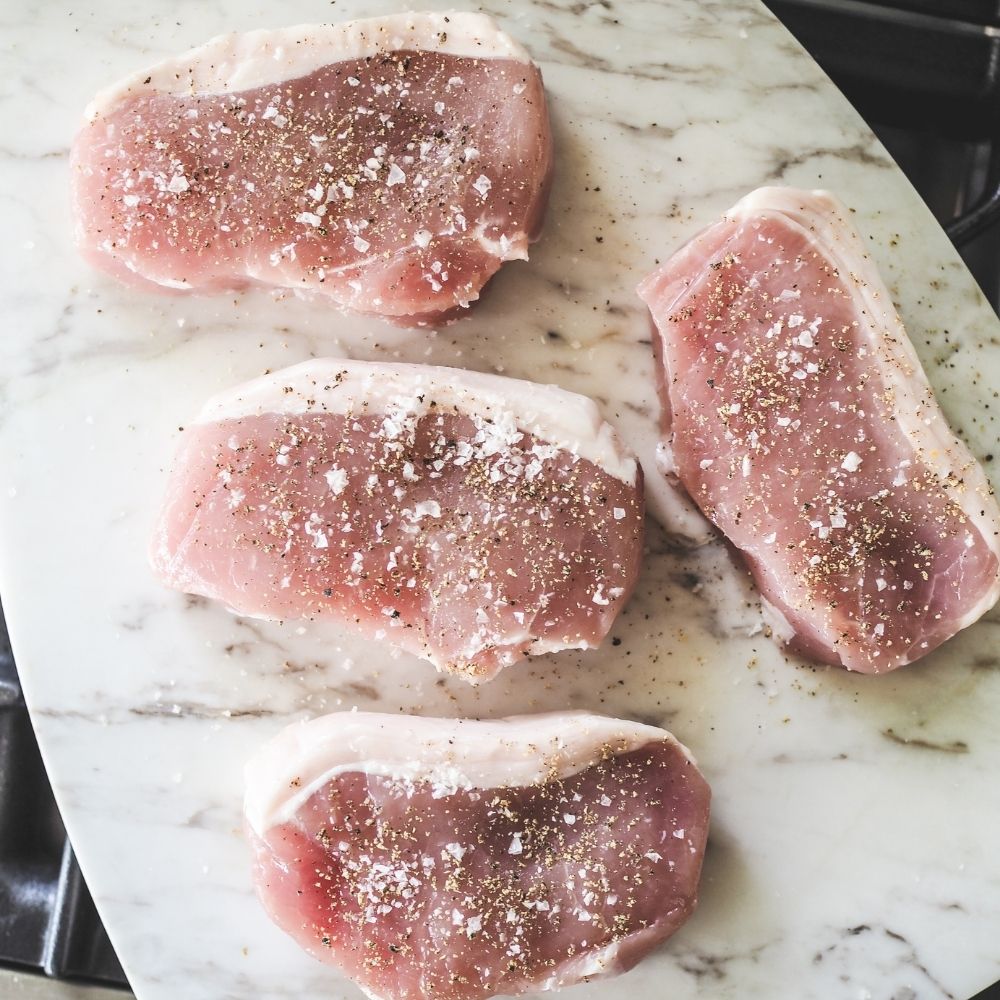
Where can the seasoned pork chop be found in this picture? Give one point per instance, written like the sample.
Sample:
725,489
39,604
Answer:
469,519
797,416
391,164
459,860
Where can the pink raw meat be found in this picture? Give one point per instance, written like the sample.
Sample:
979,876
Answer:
797,416
459,860
469,519
390,164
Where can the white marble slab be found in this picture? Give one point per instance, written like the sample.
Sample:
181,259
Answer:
854,848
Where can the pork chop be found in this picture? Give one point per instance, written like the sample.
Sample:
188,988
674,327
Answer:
459,860
798,417
470,519
391,164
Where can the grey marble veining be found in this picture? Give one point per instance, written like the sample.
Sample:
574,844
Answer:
855,819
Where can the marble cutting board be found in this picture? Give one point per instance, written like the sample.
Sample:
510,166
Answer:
854,849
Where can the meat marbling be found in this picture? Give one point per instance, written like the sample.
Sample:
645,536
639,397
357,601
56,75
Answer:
470,519
462,859
798,417
390,164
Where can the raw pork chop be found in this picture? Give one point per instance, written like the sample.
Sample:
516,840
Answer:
392,164
458,860
470,519
799,419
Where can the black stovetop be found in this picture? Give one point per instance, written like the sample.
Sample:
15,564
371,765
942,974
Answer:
926,76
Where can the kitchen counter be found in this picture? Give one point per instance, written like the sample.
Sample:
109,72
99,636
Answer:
18,986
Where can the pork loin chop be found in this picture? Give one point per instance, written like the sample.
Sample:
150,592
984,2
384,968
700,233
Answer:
796,414
459,859
391,164
470,519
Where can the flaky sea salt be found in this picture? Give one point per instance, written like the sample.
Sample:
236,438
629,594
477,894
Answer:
852,462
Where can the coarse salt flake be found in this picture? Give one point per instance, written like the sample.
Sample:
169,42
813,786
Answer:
336,479
456,850
852,462
426,508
